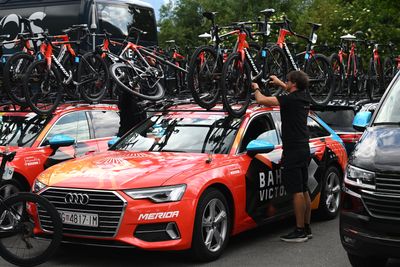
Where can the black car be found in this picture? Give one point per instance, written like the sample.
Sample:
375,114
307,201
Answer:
370,215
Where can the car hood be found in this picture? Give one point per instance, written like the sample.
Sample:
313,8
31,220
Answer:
118,170
378,149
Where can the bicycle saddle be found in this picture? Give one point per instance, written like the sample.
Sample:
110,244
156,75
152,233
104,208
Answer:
4,36
170,41
79,26
316,26
268,11
205,35
348,37
210,15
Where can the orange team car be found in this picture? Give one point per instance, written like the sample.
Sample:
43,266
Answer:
34,137
188,178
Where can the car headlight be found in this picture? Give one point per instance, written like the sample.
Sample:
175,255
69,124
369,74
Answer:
360,177
38,186
158,194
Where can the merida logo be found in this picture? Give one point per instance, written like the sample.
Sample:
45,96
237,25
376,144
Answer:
158,215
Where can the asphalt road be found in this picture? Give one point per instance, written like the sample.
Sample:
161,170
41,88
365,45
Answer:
258,247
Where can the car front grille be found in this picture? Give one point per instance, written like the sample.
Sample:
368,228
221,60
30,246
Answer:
388,183
382,205
108,205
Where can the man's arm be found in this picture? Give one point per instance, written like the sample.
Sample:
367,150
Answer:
266,100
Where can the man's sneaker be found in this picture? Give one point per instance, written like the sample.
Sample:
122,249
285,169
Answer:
307,229
297,236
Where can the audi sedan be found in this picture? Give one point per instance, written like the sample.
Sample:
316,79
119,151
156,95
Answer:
188,178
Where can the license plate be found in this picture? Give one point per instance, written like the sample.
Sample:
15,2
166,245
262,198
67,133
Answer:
79,218
8,173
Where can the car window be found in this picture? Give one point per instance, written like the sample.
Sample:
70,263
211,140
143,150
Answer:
105,123
337,119
315,129
73,124
191,133
260,128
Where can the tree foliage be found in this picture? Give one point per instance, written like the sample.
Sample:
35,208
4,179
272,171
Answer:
379,20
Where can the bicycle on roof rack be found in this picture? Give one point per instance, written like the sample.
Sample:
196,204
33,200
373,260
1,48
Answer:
22,240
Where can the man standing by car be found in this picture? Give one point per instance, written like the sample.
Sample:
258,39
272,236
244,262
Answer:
294,108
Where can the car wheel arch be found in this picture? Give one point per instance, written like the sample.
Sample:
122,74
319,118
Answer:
22,181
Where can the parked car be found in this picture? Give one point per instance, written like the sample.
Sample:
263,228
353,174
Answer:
189,178
340,115
370,215
31,135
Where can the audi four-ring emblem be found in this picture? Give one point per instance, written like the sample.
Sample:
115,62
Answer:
77,198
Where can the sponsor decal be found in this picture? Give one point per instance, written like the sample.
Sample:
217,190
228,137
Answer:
271,185
158,215
31,161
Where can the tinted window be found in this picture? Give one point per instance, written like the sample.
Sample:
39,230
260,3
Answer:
117,19
315,129
74,125
338,119
105,123
203,134
260,128
20,131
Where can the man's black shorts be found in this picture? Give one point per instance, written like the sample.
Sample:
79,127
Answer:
295,170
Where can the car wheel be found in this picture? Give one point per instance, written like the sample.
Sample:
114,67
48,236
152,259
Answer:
9,188
330,194
211,227
357,261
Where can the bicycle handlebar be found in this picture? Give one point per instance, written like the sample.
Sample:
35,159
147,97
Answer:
7,156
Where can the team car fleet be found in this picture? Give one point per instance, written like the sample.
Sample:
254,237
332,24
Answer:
188,178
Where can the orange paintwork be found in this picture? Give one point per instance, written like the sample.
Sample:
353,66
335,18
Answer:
122,170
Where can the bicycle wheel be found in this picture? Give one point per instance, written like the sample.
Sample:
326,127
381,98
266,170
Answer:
320,74
388,71
236,85
203,77
337,72
276,64
23,241
42,88
144,86
375,80
14,71
93,77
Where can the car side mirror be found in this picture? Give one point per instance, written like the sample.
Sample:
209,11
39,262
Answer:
60,140
361,120
259,146
112,141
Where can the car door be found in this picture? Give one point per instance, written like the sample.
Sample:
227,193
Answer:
105,125
75,125
266,196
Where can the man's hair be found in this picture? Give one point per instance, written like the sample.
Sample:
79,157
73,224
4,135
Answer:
300,78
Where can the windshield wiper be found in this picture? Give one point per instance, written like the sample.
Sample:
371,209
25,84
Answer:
387,123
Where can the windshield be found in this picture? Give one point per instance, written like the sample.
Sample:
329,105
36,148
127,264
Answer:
390,109
205,134
20,131
117,20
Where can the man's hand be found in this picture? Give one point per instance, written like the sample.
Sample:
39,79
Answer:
255,87
276,81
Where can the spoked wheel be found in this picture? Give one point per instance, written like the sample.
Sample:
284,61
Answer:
42,88
14,72
320,74
203,77
93,77
22,241
276,65
388,71
236,84
338,73
146,85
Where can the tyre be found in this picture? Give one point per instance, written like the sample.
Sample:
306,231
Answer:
321,86
330,194
14,72
375,83
93,77
42,88
148,88
9,188
337,72
22,242
203,78
357,261
211,227
276,64
388,71
236,85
